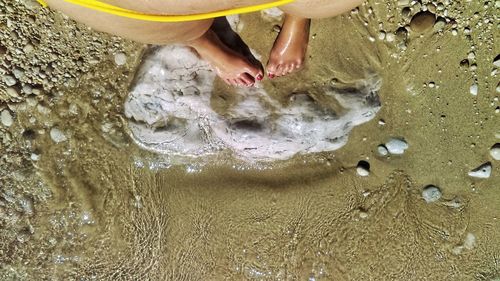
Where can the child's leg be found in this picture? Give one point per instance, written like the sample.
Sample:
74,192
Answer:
290,47
140,31
230,66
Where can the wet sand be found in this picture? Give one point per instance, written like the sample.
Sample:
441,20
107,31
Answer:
96,206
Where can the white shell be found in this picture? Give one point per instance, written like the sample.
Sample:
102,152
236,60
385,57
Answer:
474,89
495,151
57,135
120,59
396,146
6,118
362,171
382,150
481,172
431,194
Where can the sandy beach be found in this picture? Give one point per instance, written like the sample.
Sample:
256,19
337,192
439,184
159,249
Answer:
89,190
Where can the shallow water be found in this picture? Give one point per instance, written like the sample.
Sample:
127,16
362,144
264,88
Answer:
98,207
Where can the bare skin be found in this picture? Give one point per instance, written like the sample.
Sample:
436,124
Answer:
229,65
289,50
286,56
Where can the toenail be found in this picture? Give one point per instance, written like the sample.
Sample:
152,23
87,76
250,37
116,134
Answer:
259,77
271,75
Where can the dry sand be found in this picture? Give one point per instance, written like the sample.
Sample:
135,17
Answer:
80,201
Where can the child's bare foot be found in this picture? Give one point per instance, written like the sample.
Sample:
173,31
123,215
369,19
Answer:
290,47
230,66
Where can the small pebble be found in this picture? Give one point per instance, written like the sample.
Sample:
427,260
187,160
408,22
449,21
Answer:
422,21
396,146
431,7
6,118
31,4
57,135
12,92
402,33
9,80
381,35
406,12
496,61
481,172
28,49
120,59
18,73
382,150
390,37
36,92
440,24
495,151
416,5
363,168
431,194
27,205
27,89
474,89
403,3
35,157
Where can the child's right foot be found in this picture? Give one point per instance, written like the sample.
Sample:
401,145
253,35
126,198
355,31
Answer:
290,47
229,65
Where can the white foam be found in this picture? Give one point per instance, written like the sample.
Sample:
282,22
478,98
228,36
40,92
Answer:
170,113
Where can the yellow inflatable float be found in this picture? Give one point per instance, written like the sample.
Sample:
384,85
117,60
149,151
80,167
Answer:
110,9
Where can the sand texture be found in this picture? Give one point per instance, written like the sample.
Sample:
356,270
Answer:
90,190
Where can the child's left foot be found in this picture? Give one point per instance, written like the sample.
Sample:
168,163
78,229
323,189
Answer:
290,47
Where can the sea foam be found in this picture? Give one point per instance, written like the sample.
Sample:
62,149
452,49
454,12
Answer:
169,112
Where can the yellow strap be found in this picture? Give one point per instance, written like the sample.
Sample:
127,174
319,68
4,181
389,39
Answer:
113,10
